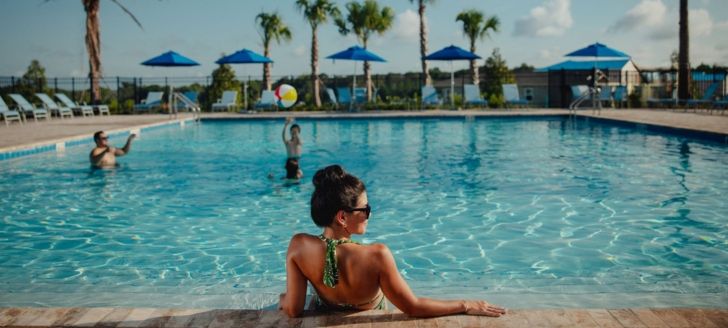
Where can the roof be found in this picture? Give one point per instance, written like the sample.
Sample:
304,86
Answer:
572,65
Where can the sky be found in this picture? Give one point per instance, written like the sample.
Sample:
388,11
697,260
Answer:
536,32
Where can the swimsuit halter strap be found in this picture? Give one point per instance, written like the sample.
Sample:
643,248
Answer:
331,270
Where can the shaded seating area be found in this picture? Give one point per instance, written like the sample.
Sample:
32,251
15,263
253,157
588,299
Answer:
473,97
153,100
29,109
228,101
512,96
9,115
83,110
53,108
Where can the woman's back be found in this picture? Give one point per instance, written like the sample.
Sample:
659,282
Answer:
358,272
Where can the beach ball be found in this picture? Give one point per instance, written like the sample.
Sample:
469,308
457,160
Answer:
285,95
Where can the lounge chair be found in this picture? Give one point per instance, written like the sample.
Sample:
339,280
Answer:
185,102
228,101
360,95
28,108
344,94
267,100
472,96
664,102
52,107
83,110
332,97
9,115
189,102
511,95
620,96
707,97
429,96
605,96
153,100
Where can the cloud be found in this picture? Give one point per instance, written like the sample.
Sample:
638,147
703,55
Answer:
552,18
700,22
650,13
407,25
299,51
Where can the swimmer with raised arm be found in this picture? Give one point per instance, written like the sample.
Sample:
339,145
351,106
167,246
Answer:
347,275
104,155
294,145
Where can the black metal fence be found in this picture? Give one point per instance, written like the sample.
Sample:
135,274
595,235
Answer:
392,91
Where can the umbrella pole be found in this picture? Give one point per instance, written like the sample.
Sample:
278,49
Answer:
245,95
353,90
452,87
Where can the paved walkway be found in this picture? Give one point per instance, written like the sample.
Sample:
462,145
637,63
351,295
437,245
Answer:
32,134
148,317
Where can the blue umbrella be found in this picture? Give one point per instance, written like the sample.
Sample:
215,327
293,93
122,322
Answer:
244,56
597,50
356,53
449,54
169,59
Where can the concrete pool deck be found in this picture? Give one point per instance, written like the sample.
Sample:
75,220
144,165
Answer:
179,318
16,137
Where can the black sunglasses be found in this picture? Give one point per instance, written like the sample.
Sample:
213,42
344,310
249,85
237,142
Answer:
366,209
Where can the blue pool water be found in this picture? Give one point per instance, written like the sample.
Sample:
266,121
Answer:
524,212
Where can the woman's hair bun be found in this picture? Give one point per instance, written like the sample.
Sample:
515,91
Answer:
332,174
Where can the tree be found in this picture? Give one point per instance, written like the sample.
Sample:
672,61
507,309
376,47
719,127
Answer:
316,12
93,43
271,28
33,80
476,27
363,20
526,68
683,84
423,40
498,74
223,78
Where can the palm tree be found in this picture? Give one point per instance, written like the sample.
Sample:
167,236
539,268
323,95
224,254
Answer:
93,43
683,83
316,12
475,27
423,40
271,28
363,20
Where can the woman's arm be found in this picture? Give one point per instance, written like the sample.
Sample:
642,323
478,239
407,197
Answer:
294,299
398,292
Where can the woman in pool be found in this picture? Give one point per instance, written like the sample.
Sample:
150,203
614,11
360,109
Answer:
347,275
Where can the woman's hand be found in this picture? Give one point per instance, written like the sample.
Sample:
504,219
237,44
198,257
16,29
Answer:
483,308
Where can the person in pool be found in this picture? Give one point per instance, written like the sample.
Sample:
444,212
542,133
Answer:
347,275
293,171
104,155
294,145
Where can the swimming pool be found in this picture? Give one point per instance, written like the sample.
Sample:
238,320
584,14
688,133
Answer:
526,212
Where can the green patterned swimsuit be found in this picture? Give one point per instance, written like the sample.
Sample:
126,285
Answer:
331,278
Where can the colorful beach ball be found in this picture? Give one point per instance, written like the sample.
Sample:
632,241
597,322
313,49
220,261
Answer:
286,96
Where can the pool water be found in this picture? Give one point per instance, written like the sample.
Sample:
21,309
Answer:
526,212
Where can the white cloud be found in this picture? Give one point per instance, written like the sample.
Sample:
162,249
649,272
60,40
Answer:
650,13
552,18
407,25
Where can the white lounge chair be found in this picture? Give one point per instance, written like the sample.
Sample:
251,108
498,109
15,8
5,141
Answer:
511,95
28,108
228,101
267,100
429,96
9,115
472,96
83,110
332,97
153,100
52,107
